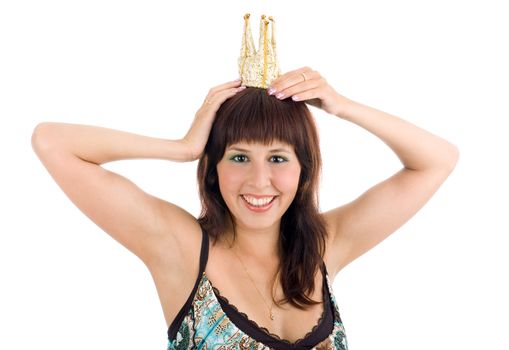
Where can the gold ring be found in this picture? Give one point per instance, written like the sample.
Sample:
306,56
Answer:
207,101
304,76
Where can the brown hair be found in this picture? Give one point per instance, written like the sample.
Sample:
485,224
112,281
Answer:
254,116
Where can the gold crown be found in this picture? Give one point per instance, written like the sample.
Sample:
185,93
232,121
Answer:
258,68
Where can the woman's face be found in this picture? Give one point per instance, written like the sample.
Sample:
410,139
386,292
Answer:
252,174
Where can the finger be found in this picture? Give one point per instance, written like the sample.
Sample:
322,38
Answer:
298,88
292,73
293,78
215,99
227,85
235,84
307,95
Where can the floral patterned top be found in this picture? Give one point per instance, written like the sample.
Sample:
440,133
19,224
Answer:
208,321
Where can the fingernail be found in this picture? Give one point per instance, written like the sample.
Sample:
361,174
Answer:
240,88
280,95
295,98
238,79
272,91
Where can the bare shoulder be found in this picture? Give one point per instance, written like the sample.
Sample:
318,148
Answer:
179,245
358,226
174,263
334,253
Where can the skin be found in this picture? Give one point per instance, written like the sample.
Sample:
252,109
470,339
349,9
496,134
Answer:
426,158
262,230
261,171
150,227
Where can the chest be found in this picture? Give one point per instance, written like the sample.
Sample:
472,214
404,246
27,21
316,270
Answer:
254,304
249,293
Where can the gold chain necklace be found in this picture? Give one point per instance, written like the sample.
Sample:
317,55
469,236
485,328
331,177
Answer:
271,315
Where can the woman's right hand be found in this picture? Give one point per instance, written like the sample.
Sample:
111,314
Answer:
197,136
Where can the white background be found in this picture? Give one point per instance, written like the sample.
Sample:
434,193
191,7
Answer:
439,282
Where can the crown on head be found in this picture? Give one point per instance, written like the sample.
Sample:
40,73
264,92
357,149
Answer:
258,68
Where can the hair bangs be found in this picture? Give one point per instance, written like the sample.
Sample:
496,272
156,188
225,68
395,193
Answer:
255,117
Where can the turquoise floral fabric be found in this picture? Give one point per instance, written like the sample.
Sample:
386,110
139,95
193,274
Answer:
207,327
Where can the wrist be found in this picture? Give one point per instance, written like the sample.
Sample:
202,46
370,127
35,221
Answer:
189,150
344,105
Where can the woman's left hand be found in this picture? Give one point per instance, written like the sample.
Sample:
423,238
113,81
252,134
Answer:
307,85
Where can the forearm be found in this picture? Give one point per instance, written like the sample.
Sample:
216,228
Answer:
417,148
101,145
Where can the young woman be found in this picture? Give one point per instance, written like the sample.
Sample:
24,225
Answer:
263,280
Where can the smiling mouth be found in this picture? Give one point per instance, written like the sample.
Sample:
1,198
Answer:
259,205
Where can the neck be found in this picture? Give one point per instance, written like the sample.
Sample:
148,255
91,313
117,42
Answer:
257,251
257,244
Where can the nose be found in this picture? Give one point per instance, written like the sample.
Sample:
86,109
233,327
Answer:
260,175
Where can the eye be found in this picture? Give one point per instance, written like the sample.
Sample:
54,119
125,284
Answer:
241,158
235,157
282,159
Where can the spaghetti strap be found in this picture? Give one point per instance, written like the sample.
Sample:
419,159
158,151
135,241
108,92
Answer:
204,252
209,320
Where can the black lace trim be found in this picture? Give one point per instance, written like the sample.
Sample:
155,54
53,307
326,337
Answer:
265,330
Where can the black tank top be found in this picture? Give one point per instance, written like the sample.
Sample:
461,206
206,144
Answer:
208,320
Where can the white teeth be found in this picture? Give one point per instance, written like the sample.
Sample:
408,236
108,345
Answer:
258,202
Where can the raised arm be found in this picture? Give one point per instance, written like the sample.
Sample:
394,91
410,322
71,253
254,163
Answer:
73,155
427,160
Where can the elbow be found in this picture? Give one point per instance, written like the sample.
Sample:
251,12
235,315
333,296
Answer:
43,138
451,156
455,156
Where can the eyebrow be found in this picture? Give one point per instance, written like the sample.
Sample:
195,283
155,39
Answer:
247,151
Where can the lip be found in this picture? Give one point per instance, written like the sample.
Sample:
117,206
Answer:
259,209
257,196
